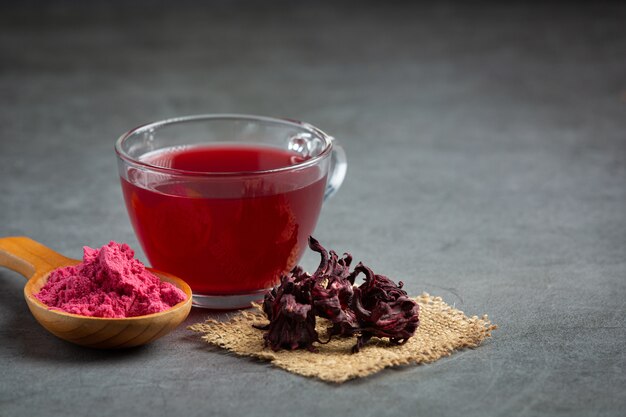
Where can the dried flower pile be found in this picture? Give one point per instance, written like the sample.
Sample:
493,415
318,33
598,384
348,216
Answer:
377,308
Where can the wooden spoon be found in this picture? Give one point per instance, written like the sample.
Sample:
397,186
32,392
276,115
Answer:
35,262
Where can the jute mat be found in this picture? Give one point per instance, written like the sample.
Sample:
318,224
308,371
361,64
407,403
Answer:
442,330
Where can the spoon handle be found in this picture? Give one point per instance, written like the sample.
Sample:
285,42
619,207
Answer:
27,257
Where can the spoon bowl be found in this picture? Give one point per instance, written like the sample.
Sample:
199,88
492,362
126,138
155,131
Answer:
36,261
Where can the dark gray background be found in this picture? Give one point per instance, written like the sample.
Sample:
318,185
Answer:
487,152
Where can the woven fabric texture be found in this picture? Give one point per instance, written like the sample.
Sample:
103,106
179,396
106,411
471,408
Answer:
442,330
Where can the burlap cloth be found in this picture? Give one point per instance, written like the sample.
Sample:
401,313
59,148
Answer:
442,330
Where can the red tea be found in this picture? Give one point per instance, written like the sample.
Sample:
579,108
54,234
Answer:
227,233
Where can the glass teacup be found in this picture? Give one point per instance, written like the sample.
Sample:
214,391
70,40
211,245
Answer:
227,202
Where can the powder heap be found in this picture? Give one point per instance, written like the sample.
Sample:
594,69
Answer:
109,282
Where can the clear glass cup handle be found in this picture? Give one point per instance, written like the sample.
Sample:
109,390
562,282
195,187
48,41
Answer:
338,169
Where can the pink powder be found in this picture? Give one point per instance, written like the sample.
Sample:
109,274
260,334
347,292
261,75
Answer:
109,282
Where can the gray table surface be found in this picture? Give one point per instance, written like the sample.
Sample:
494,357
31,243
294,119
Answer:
487,152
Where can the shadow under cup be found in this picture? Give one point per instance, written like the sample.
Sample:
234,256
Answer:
227,202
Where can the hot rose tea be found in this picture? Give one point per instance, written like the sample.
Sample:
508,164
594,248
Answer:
232,233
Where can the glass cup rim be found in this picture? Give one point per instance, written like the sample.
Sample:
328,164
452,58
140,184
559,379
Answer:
125,157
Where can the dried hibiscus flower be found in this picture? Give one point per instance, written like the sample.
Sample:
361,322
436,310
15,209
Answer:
383,309
377,308
289,308
333,291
